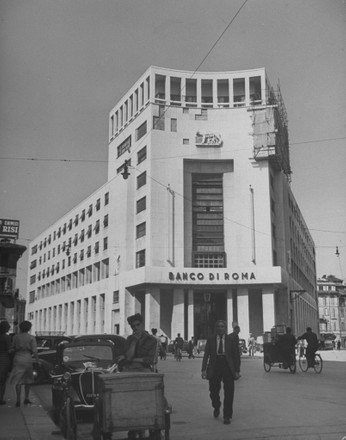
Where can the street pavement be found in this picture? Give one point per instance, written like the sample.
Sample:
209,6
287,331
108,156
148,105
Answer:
275,405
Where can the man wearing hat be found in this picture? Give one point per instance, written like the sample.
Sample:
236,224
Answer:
140,347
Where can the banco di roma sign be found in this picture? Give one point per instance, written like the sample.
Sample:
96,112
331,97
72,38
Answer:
211,276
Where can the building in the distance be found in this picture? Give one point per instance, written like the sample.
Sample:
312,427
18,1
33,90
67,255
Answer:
196,222
332,307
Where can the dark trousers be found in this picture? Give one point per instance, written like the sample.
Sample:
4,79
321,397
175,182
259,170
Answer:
222,373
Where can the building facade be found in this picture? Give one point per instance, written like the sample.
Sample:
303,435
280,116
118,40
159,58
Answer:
332,307
196,222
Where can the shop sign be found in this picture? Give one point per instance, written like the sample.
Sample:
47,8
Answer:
9,228
211,276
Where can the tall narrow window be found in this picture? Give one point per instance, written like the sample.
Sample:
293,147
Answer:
239,92
255,90
208,222
141,155
141,130
141,204
140,230
141,179
160,87
140,258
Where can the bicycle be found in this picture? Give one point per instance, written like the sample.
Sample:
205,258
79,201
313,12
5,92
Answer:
178,355
303,363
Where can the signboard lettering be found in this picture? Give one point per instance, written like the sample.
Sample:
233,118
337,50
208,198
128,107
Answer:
9,228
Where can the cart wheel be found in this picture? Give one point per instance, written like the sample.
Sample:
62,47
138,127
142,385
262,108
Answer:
267,364
293,367
303,364
97,434
71,420
318,365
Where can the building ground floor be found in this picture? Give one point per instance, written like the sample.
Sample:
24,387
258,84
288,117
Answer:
188,302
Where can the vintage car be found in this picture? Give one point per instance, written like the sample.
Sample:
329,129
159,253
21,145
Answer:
46,348
75,384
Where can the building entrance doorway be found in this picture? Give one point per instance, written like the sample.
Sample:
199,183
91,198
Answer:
208,308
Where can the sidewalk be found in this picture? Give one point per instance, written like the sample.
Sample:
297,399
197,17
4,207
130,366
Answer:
29,422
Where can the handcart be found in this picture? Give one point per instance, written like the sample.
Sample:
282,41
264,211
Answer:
133,402
273,356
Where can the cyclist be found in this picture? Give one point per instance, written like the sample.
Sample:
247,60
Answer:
311,339
178,345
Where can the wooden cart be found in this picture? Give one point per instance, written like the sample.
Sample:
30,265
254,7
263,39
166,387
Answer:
132,402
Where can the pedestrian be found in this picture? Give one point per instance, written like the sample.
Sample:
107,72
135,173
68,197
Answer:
287,345
164,344
140,347
158,347
311,338
24,348
235,336
338,345
221,364
190,348
178,347
5,359
251,345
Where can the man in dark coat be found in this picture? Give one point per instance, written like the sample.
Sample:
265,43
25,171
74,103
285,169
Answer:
221,364
287,343
311,339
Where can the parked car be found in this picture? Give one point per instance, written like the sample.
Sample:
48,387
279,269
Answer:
118,341
47,348
75,376
49,342
242,346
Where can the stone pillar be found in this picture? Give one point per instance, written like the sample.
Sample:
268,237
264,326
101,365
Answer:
190,315
243,311
229,310
178,312
268,309
152,309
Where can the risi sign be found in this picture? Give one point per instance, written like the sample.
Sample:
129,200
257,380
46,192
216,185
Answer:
9,228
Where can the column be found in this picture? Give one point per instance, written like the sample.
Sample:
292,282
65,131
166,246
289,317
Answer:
152,309
178,312
214,85
190,315
243,311
230,322
268,309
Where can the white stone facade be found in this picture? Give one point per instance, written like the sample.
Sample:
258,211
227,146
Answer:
205,227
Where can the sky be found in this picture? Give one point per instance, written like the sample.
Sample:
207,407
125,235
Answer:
64,64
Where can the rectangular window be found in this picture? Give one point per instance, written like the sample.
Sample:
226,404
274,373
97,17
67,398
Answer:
140,258
141,179
141,230
174,125
207,92
105,221
239,92
88,251
106,198
158,123
255,90
175,90
141,155
160,87
97,247
105,269
124,146
116,297
89,275
191,92
141,204
222,92
105,243
98,204
90,210
141,131
97,227
81,277
96,275
82,217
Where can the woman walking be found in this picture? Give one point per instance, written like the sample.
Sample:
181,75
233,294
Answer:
24,347
5,361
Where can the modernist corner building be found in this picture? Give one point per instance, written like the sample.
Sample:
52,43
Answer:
197,221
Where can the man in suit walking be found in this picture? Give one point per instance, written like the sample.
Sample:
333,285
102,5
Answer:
221,364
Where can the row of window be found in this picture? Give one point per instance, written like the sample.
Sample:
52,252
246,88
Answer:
55,268
67,245
88,275
62,230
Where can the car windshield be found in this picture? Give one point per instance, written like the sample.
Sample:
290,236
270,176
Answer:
85,353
